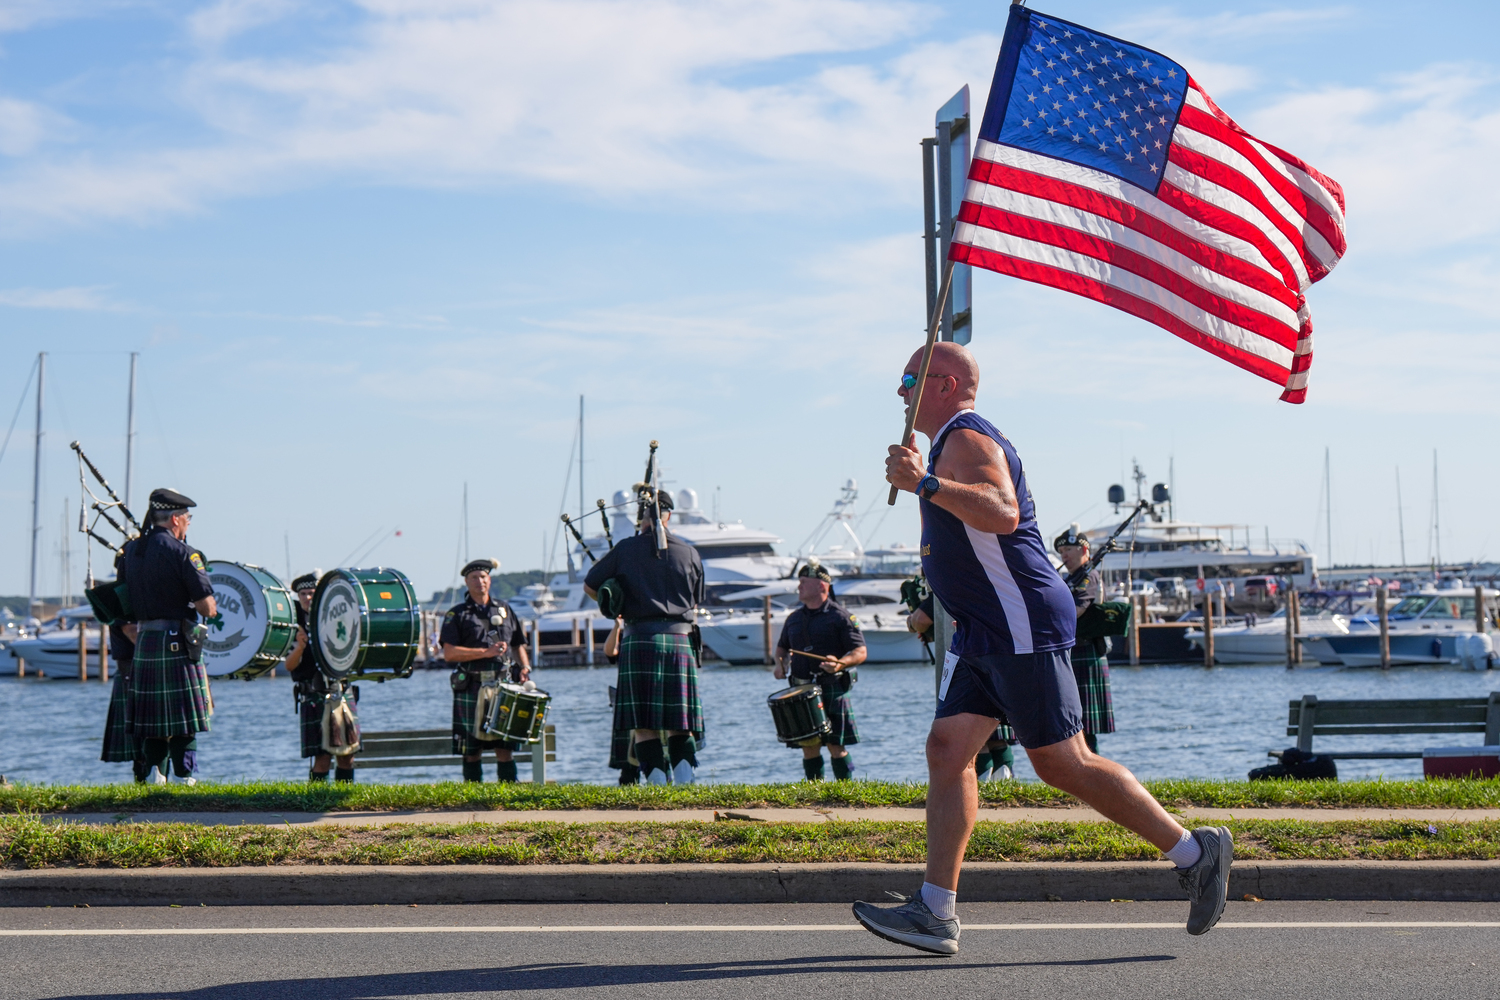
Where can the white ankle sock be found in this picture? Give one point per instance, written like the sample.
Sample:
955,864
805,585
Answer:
1186,852
942,902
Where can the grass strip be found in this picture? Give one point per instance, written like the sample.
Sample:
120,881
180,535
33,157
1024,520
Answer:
28,842
297,796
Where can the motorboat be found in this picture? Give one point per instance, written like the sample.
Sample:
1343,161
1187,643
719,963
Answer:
53,650
1257,639
1424,628
740,636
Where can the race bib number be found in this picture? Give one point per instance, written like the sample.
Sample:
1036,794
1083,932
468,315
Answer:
949,662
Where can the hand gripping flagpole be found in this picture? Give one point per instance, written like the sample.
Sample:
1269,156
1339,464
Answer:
916,393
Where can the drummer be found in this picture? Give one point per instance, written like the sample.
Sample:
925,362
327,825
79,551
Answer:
481,651
312,688
1090,655
826,629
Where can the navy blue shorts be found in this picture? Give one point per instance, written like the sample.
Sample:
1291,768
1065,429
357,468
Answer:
1035,692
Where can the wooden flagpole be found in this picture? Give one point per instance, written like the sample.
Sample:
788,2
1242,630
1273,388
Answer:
916,394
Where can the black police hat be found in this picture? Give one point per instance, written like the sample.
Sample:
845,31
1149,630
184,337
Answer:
488,565
165,499
815,569
1070,537
307,581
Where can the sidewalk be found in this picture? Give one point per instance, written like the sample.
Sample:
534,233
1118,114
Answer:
1192,816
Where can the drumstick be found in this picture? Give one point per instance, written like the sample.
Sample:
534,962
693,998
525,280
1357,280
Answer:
813,656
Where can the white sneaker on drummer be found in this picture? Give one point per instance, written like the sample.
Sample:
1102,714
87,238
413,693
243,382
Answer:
682,773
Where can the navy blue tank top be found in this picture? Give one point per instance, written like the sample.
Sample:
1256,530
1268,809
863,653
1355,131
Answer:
1001,589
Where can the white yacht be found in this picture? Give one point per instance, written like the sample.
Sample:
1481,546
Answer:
740,636
1264,639
1433,627
53,651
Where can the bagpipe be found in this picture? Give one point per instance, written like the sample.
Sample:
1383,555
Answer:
1080,576
110,601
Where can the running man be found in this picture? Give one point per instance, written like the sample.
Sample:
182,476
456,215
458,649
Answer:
984,558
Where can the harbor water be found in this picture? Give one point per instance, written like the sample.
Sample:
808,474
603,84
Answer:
1174,721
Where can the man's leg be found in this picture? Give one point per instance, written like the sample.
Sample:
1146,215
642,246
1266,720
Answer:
505,766
319,769
653,757
1203,857
474,767
843,764
344,771
812,760
952,793
1107,787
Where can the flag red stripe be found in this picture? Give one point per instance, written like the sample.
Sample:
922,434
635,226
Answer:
1157,273
1330,185
1078,284
1086,200
1212,215
1310,211
1232,180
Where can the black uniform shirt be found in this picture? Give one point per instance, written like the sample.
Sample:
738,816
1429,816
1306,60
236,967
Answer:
165,577
669,588
468,624
829,631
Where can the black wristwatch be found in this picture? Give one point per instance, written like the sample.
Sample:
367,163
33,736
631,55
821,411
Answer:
929,485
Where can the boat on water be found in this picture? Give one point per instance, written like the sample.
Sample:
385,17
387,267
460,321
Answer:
53,650
1257,639
739,637
1425,628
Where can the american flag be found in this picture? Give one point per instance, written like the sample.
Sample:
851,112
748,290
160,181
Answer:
1102,168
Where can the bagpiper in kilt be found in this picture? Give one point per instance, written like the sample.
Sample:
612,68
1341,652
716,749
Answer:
169,701
119,745
997,761
311,689
483,639
1090,654
658,679
822,627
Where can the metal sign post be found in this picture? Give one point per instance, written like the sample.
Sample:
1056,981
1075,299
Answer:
943,193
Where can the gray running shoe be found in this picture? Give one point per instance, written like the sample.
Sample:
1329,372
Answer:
1207,881
911,924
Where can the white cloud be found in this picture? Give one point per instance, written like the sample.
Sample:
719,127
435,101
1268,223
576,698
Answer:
83,299
24,126
221,21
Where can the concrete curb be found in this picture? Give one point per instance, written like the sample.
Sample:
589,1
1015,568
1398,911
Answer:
751,883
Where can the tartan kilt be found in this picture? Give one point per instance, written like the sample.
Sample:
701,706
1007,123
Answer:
620,749
168,695
464,741
1091,670
658,686
119,745
843,730
1004,734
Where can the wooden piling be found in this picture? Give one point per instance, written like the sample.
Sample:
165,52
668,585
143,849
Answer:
1297,624
104,655
83,651
1139,614
589,628
1479,609
1381,602
1291,629
765,623
1208,629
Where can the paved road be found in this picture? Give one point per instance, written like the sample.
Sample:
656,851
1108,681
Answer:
1360,951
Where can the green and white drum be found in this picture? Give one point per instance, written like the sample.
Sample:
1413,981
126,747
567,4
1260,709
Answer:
366,623
256,622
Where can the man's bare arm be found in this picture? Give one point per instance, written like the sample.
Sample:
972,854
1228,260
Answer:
977,487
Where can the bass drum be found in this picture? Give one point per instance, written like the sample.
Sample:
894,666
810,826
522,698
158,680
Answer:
366,623
256,622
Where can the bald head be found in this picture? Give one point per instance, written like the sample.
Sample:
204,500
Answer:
952,385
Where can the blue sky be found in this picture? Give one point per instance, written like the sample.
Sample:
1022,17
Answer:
372,251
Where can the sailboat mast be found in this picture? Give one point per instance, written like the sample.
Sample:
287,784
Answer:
36,478
1437,532
580,458
1400,517
1328,496
130,428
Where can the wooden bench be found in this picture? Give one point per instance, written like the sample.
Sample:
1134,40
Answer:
434,748
1310,717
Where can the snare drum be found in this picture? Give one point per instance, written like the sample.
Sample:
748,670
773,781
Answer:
517,714
256,622
798,713
366,623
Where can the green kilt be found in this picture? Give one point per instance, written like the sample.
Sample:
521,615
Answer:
168,695
1091,670
658,686
119,745
464,740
